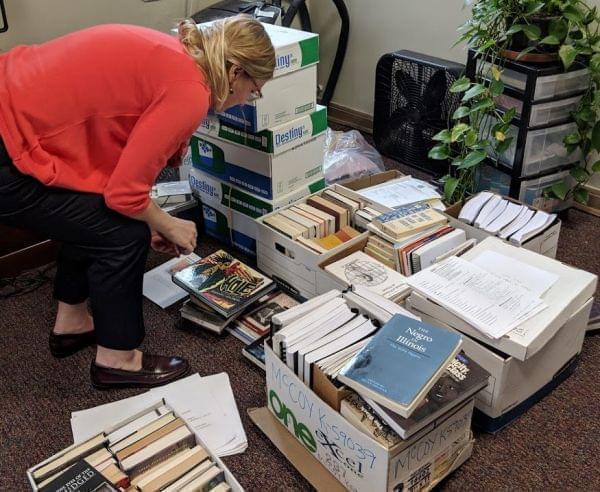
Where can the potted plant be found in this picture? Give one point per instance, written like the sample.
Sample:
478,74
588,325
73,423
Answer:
568,28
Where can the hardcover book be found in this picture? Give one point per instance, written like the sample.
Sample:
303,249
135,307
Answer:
79,477
462,379
224,283
401,363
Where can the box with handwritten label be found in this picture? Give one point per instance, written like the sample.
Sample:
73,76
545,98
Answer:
357,461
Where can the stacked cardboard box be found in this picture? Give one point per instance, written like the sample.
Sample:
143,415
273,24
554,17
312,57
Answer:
260,156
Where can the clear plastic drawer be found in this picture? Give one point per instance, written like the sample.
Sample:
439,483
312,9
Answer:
531,190
548,86
544,149
543,114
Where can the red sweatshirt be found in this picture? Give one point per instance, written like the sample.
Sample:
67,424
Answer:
100,110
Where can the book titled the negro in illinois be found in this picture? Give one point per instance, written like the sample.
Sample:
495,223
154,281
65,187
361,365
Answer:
401,363
224,283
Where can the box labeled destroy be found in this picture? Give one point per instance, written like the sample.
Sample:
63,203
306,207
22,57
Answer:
356,460
260,173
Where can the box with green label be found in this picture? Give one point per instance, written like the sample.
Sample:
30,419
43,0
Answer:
229,212
263,174
293,89
274,140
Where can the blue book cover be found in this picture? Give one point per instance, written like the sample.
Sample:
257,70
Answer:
402,211
401,363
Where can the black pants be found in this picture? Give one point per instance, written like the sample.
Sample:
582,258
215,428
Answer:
102,257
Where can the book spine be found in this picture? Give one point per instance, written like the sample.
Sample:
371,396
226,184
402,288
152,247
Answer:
162,455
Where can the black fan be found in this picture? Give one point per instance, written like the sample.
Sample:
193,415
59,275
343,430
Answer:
412,104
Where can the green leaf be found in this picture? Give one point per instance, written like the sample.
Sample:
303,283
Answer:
525,51
496,88
596,136
535,7
515,28
567,54
572,14
474,91
509,115
581,195
503,146
439,153
579,173
560,190
484,104
587,114
558,29
461,112
572,138
552,40
471,138
456,162
595,62
458,131
472,159
596,167
590,16
443,136
532,32
461,85
449,188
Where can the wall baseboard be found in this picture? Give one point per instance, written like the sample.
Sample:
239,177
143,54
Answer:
350,117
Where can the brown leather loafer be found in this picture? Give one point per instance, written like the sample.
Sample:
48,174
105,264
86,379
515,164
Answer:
156,371
65,345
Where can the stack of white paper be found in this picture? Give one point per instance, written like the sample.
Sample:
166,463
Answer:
205,403
158,286
491,303
399,192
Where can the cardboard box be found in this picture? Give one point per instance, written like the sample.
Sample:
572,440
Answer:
293,89
231,480
229,213
564,298
293,264
356,460
274,140
371,180
262,174
513,381
545,243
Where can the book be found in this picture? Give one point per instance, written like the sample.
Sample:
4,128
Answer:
329,242
327,218
69,457
413,219
149,439
211,321
470,210
142,432
360,414
303,222
223,282
426,254
287,317
359,268
285,226
259,317
341,200
189,476
401,363
342,216
79,477
312,245
461,380
207,481
255,352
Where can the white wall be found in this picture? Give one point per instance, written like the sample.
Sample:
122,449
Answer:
382,26
35,21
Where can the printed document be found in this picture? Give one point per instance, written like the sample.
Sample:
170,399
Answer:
490,303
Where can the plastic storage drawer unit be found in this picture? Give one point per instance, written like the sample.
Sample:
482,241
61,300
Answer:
542,114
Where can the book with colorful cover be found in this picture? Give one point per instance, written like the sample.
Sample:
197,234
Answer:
401,363
462,379
258,318
223,283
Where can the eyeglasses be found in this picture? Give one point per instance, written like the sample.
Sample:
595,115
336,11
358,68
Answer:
256,93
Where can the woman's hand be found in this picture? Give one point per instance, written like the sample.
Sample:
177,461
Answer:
181,233
162,245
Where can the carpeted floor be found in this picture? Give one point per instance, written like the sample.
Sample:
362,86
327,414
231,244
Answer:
555,445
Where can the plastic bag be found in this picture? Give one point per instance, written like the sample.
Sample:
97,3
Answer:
348,155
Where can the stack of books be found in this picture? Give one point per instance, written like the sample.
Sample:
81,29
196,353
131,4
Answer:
506,219
153,450
220,288
405,374
320,224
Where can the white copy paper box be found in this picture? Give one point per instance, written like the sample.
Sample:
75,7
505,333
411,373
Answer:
356,460
262,174
513,381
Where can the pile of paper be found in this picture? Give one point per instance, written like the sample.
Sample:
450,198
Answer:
403,191
158,286
206,403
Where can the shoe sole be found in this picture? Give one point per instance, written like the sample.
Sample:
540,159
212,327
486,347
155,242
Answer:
103,387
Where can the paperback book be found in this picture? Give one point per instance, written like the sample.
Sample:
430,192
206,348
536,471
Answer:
401,363
223,283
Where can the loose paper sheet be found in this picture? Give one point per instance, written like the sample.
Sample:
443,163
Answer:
490,303
158,286
401,192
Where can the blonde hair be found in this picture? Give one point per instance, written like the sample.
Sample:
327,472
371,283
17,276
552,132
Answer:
239,40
